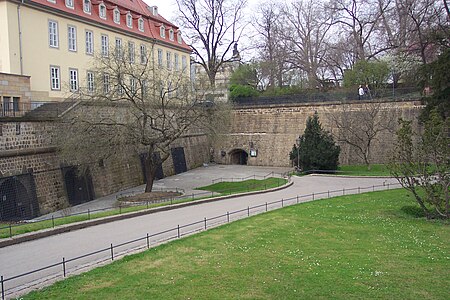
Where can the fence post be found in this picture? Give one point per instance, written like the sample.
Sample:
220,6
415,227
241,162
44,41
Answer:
248,211
3,288
148,242
192,196
328,194
266,206
343,191
10,230
373,188
147,204
64,266
178,231
120,209
282,202
205,223
228,217
297,199
89,214
112,252
313,196
53,222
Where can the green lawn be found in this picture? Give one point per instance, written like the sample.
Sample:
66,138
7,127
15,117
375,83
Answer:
244,186
361,170
364,246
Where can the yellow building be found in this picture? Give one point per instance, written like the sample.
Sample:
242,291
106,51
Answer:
55,41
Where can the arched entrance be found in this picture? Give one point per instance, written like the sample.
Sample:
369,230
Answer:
79,186
238,157
15,203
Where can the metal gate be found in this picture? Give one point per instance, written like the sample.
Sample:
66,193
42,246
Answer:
79,186
179,160
159,171
18,200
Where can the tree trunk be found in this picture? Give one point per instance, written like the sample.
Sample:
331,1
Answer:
151,166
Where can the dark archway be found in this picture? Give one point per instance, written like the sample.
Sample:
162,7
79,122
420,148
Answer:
15,201
79,186
238,157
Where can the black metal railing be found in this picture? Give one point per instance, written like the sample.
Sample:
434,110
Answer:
177,232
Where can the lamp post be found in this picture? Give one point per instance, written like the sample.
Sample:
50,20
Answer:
297,142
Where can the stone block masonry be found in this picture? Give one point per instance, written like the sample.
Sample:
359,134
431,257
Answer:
272,131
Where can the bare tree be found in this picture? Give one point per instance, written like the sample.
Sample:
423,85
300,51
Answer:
134,108
306,31
213,27
360,127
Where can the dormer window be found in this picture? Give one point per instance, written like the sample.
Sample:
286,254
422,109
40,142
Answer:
180,41
69,3
171,34
162,31
101,11
87,6
129,20
116,15
141,24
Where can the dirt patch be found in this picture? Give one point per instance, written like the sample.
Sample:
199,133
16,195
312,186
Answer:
150,197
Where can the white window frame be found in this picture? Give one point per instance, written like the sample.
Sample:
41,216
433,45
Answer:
53,37
141,24
131,52
73,80
87,6
160,58
171,36
118,46
89,42
72,38
106,83
116,15
129,20
143,54
168,60
162,31
90,81
100,7
176,61
69,3
55,78
105,45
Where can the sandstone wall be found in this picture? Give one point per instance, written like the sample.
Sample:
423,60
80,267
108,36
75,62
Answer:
273,130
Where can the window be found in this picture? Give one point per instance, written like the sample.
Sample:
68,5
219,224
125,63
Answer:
73,80
144,88
143,54
53,34
162,31
141,24
55,81
169,60
116,15
118,46
102,11
132,85
180,41
129,20
106,85
183,63
175,58
89,42
171,34
105,45
90,81
120,84
160,58
69,3
131,52
17,128
87,6
72,36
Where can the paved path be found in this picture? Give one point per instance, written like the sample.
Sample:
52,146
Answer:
35,254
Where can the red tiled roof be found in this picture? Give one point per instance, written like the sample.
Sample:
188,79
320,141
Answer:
137,8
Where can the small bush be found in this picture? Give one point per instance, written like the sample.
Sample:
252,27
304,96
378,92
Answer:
242,91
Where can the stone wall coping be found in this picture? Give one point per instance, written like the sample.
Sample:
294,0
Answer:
84,224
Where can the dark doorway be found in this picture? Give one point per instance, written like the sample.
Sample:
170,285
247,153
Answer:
159,171
79,186
16,201
238,157
179,160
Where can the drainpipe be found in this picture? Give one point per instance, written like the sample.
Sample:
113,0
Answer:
20,37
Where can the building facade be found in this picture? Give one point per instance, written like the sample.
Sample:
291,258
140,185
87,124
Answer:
55,42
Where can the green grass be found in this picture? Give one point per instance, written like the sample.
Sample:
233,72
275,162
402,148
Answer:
361,170
233,188
244,186
364,246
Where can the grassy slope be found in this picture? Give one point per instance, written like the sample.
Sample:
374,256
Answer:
243,186
360,246
361,170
